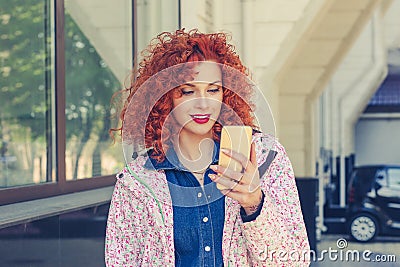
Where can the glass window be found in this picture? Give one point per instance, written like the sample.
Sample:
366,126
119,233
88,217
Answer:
26,93
59,67
394,177
97,62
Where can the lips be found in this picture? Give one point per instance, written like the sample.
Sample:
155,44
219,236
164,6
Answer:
201,118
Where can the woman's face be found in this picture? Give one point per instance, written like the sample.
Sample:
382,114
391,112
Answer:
199,105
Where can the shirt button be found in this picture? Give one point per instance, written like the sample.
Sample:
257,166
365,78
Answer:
207,248
209,196
205,219
199,194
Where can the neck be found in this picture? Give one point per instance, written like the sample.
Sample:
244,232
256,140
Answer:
194,152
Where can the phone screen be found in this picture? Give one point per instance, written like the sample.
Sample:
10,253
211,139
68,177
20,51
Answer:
236,138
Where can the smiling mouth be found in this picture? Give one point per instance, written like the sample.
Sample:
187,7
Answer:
201,118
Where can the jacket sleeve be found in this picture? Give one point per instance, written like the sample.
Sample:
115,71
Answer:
121,246
278,235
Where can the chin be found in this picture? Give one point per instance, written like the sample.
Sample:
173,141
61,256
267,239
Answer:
202,130
203,133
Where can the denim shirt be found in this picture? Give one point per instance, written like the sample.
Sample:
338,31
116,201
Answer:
198,212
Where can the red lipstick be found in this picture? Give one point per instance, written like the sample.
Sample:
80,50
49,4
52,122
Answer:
201,118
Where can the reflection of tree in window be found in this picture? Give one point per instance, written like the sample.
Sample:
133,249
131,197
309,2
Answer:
26,93
25,90
89,87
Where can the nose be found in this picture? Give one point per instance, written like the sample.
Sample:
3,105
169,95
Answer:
202,102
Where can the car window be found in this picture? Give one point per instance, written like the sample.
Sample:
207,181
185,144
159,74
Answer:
394,178
362,180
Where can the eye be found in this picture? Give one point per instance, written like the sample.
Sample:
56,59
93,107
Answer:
186,91
214,89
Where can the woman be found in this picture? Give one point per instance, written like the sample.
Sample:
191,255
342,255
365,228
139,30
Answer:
166,209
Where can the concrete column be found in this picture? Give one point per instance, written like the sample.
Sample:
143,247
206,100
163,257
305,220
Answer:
218,10
353,85
248,32
292,130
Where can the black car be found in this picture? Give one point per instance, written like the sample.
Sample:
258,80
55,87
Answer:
374,202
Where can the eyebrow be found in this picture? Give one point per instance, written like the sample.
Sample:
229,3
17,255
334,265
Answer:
192,85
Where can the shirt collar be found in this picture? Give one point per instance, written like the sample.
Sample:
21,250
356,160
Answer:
171,161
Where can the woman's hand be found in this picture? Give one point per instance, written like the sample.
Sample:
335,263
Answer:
242,186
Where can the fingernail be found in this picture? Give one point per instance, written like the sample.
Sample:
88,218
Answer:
213,167
212,176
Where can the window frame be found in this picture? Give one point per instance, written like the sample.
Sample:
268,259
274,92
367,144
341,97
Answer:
61,184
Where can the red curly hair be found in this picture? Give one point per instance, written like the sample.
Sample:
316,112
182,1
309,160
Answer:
144,123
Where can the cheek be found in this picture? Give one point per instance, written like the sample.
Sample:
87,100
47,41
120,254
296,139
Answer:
179,104
180,109
219,101
217,105
175,102
220,96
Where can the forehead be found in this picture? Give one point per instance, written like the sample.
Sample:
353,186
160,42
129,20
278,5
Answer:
207,72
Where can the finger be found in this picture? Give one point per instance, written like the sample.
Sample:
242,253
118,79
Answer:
226,172
248,178
232,185
225,182
242,159
253,157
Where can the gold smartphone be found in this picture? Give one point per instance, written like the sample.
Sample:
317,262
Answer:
236,138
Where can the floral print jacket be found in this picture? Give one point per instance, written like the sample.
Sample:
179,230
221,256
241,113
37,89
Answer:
140,221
